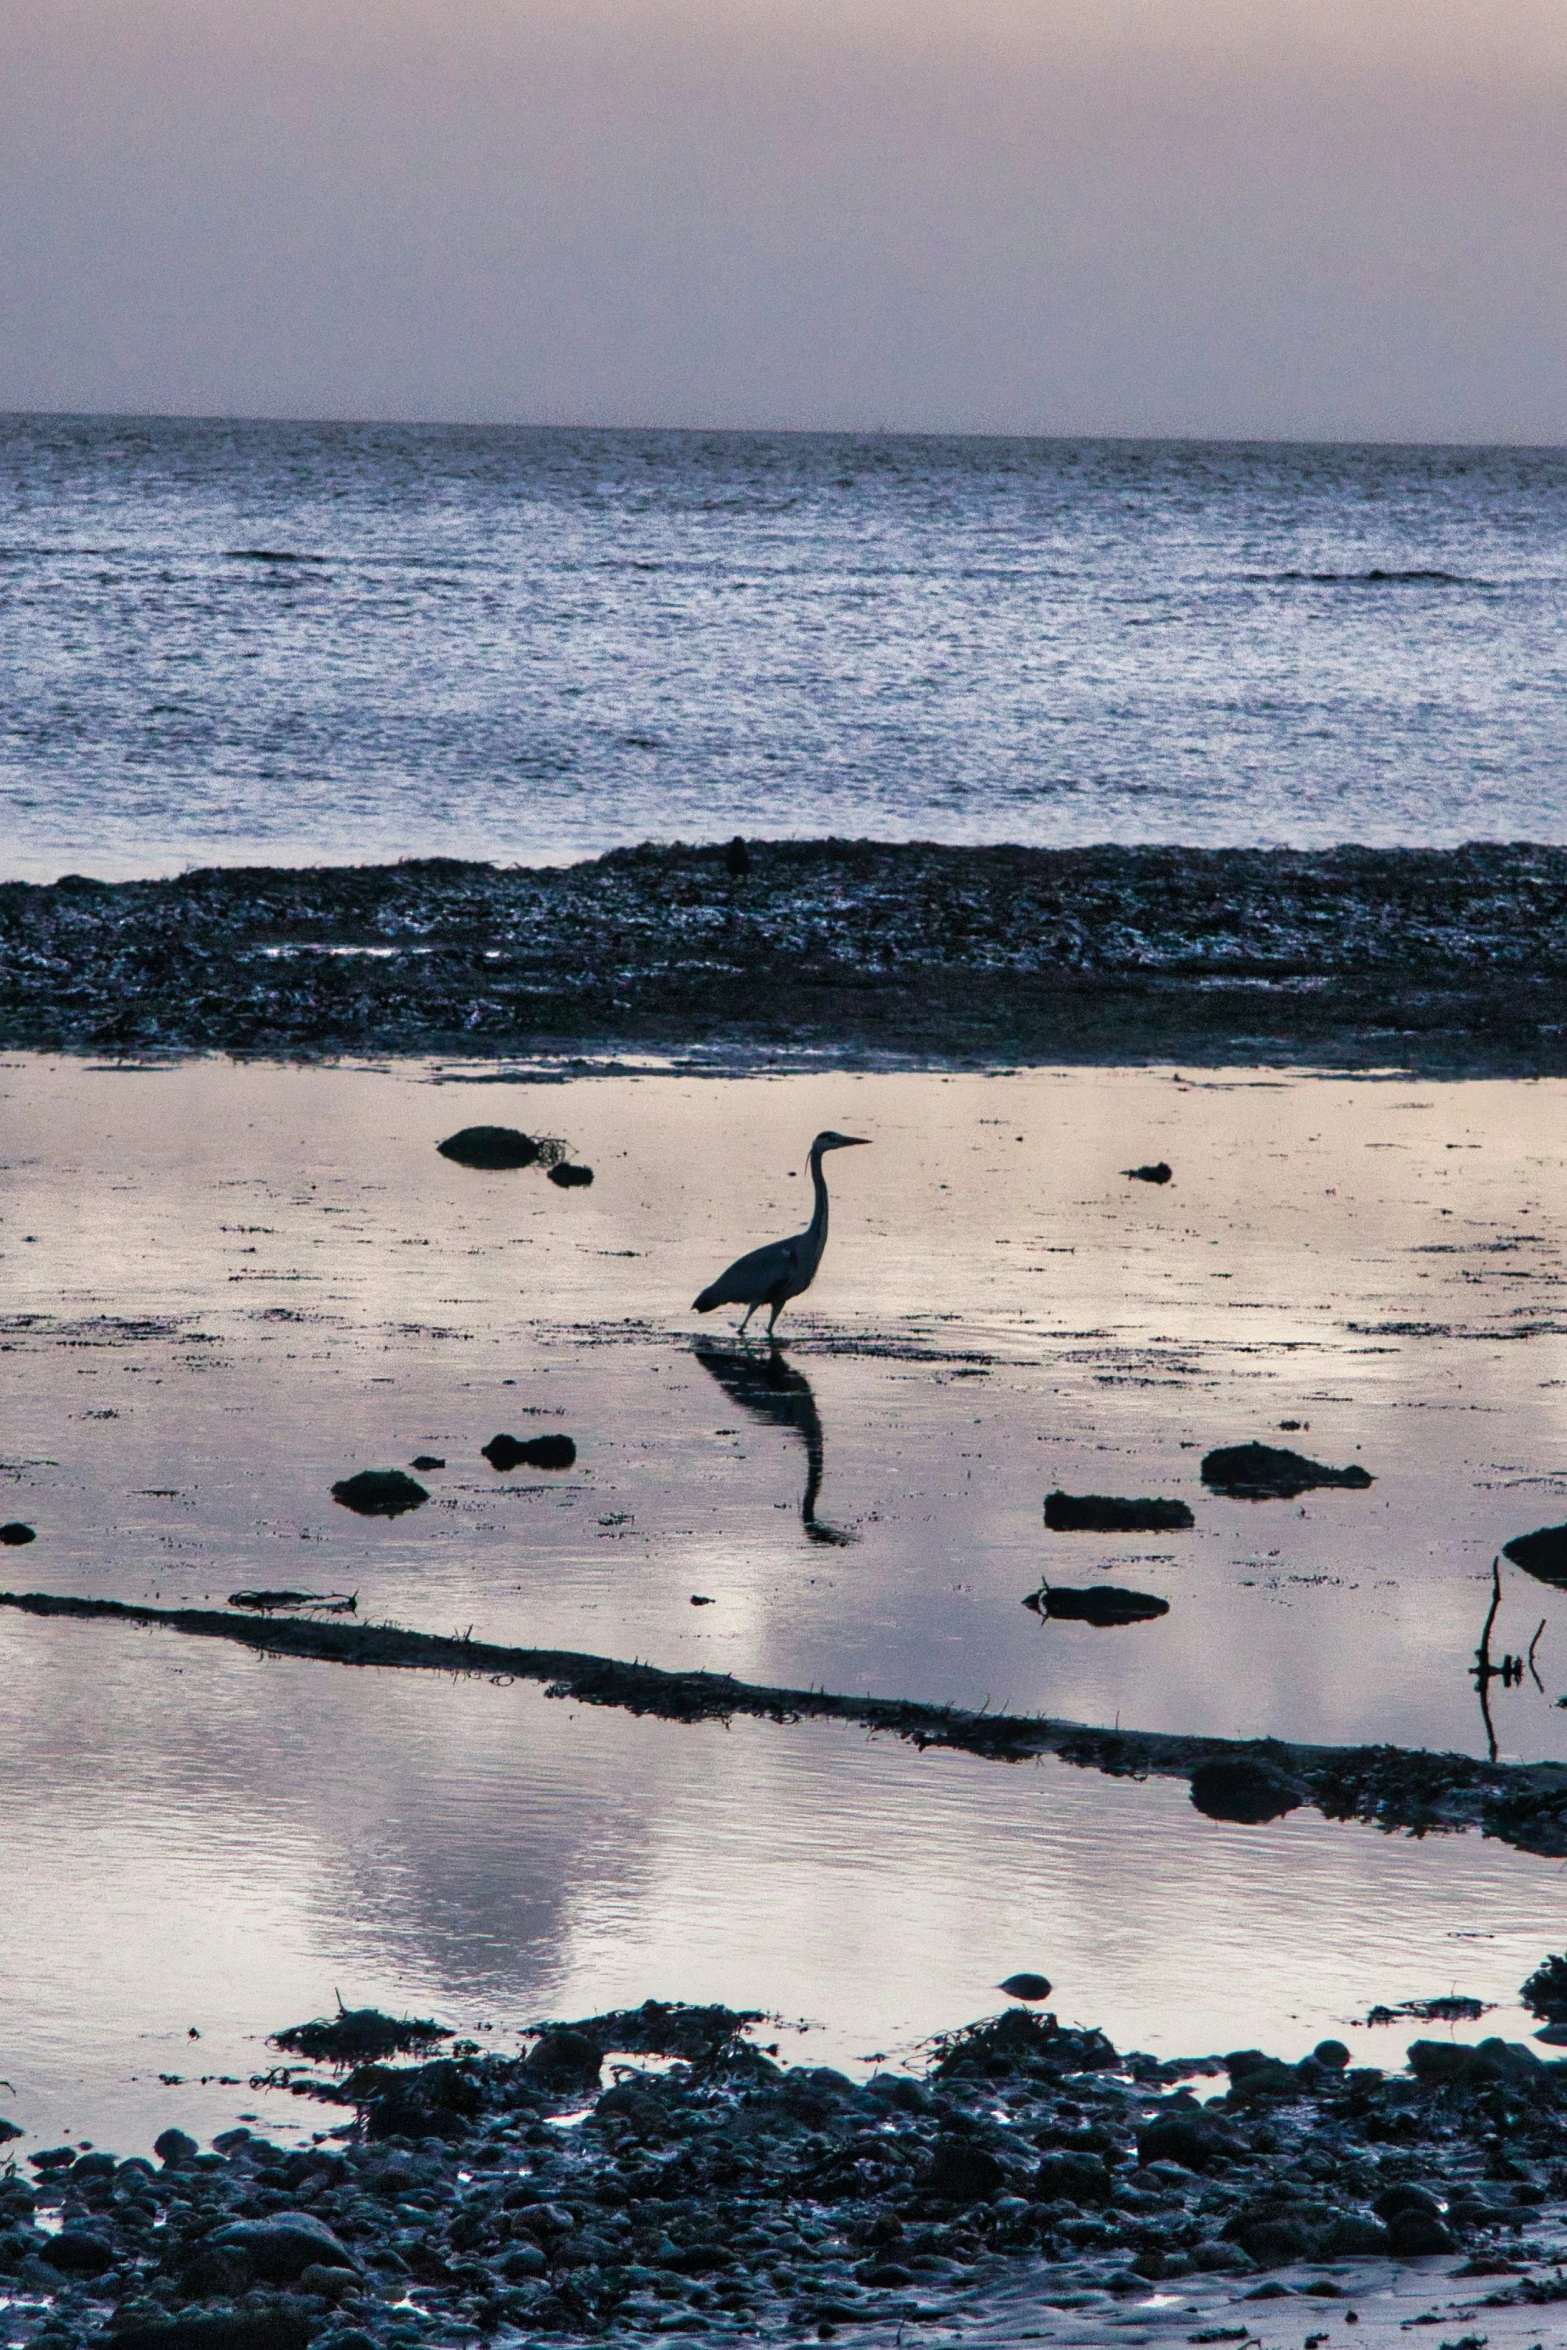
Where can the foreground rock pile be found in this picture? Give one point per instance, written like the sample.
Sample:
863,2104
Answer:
655,2172
862,946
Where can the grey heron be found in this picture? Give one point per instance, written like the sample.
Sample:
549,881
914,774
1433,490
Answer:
771,1276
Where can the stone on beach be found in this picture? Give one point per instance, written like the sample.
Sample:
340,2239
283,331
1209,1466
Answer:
1026,1986
15,1534
1102,1604
379,1493
570,1178
281,2246
533,1452
1271,1472
489,1147
1159,1172
1104,1513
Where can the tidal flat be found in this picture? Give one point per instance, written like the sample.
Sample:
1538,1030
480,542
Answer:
230,1286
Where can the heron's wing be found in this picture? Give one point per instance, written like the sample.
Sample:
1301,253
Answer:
752,1277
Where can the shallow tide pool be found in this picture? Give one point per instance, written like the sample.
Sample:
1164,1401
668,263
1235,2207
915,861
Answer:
226,1287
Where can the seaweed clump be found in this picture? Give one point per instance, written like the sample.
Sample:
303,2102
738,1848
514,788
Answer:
359,2035
1545,1993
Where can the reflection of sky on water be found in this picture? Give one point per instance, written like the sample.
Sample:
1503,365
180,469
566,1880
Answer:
322,1292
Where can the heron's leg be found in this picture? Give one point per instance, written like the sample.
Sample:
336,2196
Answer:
749,1311
778,1306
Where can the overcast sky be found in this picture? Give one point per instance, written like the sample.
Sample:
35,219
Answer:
1295,217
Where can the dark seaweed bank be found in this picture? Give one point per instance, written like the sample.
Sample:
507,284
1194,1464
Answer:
1441,959
1389,1787
722,2194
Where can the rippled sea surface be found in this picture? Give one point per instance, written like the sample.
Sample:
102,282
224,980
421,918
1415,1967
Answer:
226,642
227,1288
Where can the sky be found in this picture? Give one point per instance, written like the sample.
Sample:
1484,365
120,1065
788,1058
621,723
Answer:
1257,218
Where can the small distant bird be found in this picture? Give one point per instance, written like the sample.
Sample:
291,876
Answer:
771,1276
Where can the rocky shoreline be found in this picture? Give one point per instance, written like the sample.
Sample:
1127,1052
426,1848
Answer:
1446,960
655,2172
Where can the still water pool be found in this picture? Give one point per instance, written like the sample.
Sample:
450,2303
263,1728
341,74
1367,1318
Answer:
227,1287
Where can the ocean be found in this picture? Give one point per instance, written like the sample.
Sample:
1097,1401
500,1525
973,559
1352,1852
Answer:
229,642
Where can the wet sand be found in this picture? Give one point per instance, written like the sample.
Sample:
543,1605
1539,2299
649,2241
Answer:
1441,960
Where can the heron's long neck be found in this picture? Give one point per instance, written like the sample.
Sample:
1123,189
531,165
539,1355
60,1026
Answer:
817,1233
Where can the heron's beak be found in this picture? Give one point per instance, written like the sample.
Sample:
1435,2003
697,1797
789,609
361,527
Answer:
849,1142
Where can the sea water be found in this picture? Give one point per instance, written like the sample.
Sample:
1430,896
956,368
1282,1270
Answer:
228,642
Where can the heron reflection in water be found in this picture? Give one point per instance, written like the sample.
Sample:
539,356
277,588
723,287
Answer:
771,1389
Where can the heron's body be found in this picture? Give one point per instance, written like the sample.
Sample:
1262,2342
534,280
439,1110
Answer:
783,1269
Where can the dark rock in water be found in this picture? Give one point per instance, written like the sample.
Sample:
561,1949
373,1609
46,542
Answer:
282,2246
379,1493
565,2060
1159,1172
700,1599
1103,1513
77,2252
961,2172
1103,1605
490,1147
15,1534
571,1178
1542,1554
175,2149
1026,1986
262,2329
1545,1993
427,1460
737,859
8,2130
1331,2053
359,2035
1242,1787
537,1452
1270,1472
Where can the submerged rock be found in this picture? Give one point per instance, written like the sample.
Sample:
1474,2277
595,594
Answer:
1159,1172
489,1147
1103,1513
1245,1788
571,1178
1026,1986
1542,1554
1102,1605
379,1493
1271,1472
534,1452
